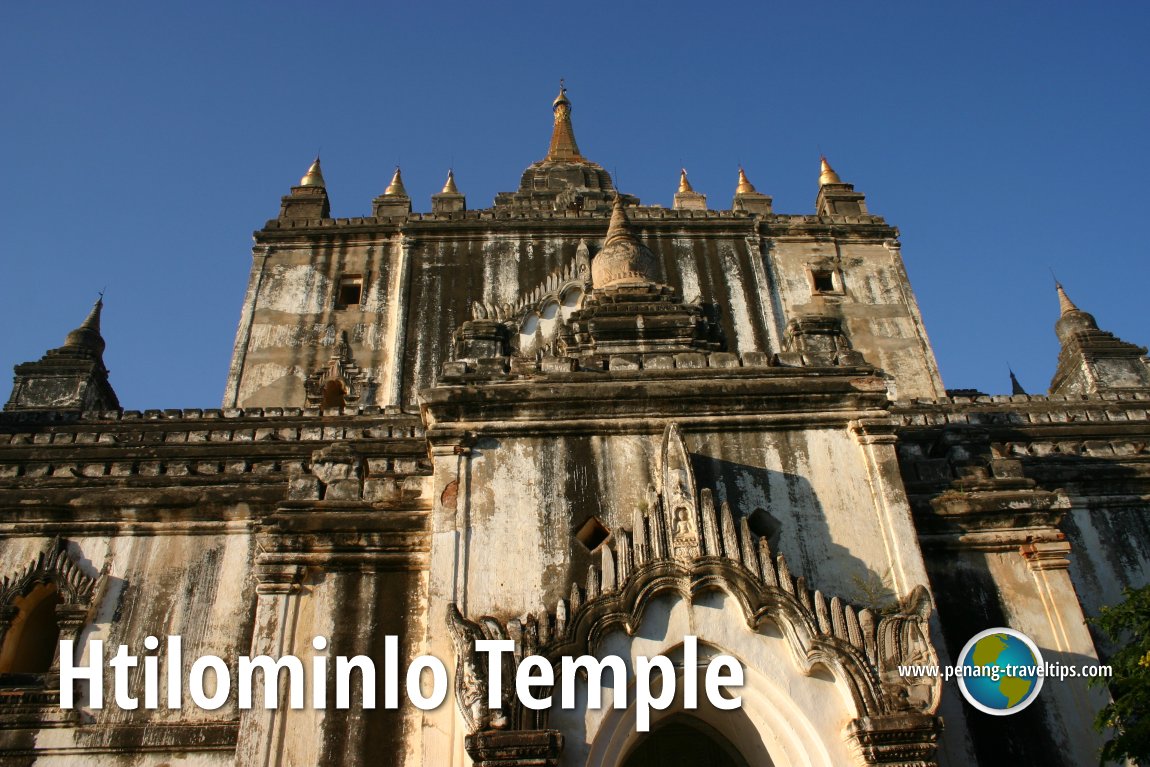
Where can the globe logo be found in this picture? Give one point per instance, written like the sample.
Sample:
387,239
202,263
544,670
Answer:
1000,671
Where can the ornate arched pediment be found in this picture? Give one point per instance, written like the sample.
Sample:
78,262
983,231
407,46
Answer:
684,544
35,696
57,565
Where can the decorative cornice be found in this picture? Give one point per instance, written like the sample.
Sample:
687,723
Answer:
899,740
1047,555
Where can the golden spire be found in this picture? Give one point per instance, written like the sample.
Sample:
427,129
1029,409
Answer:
450,187
395,188
1065,305
827,174
314,176
745,186
684,184
563,147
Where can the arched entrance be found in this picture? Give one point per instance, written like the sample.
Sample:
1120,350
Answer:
789,714
30,642
684,741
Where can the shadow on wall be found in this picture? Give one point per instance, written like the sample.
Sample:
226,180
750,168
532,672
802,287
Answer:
1108,526
795,525
1110,551
684,739
1109,537
974,604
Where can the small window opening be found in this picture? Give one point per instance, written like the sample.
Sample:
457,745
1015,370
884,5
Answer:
764,524
592,533
30,643
349,292
824,280
334,394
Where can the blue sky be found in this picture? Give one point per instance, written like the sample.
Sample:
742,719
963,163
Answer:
146,141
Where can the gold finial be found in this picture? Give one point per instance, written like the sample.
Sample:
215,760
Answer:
745,186
563,147
827,174
1065,305
314,176
449,187
562,97
395,188
684,184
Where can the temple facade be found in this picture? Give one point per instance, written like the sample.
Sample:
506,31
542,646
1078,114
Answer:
590,427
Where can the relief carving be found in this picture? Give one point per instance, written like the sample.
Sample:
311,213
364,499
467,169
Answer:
679,496
902,642
339,383
471,675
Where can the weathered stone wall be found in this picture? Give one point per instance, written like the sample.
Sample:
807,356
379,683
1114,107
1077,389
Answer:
168,582
178,516
1032,511
880,313
714,400
812,449
423,274
291,324
1111,544
186,506
531,494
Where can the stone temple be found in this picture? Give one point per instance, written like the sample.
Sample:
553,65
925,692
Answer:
588,426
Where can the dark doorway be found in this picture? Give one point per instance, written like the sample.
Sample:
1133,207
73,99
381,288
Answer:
684,741
333,394
30,644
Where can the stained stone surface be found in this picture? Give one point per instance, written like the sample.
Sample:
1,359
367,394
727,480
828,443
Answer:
741,406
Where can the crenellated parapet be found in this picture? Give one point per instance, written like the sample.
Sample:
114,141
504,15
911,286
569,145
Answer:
865,227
